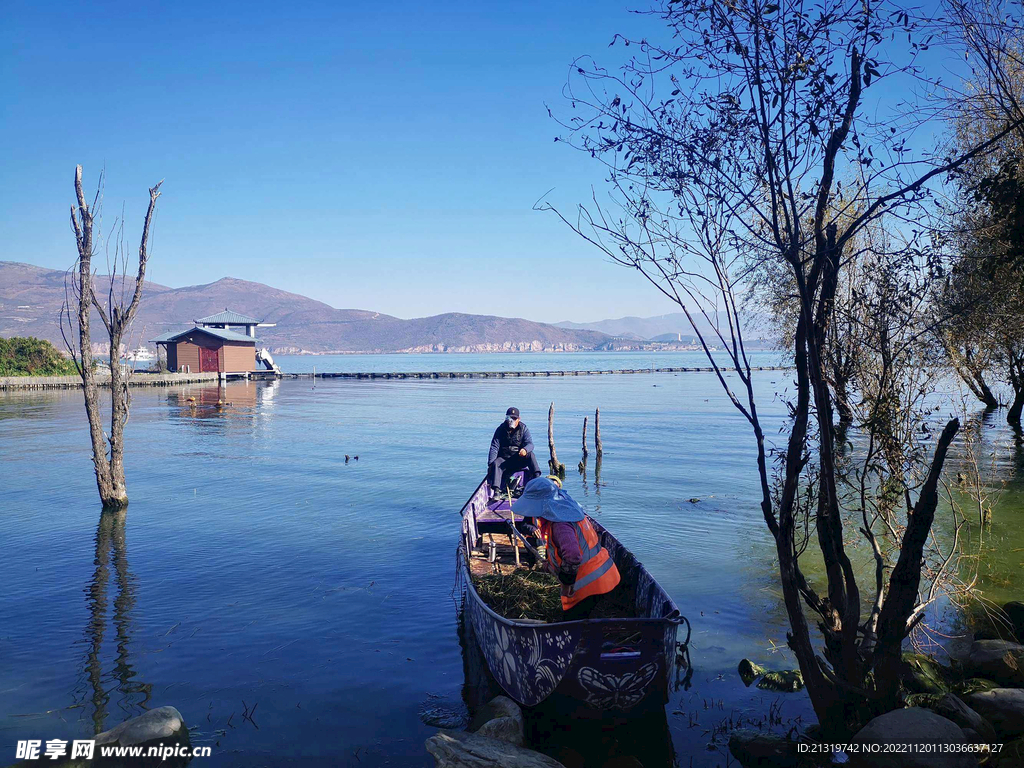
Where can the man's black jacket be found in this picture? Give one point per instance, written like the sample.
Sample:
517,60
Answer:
507,442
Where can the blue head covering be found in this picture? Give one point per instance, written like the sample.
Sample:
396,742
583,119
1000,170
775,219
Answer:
542,498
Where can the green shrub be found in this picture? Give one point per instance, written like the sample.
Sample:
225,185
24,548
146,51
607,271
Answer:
33,357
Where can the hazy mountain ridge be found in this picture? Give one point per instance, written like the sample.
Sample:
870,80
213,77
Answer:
31,299
641,327
671,328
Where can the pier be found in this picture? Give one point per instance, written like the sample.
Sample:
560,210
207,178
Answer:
497,374
140,379
135,380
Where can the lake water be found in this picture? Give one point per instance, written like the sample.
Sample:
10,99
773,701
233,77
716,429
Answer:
255,568
511,361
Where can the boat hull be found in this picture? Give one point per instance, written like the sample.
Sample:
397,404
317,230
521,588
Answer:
604,665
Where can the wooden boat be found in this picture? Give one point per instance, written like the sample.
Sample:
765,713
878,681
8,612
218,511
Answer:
597,665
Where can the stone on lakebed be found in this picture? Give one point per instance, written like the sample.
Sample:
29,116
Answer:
1014,611
161,724
1003,707
997,660
953,708
458,749
500,718
763,750
911,726
781,681
922,674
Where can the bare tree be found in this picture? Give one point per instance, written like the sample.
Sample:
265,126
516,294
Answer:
117,311
745,144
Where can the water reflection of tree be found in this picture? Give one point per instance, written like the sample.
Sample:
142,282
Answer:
596,482
134,695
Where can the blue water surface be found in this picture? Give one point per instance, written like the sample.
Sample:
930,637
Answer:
257,572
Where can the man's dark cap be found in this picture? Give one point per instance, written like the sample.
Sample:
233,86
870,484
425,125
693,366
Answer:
513,412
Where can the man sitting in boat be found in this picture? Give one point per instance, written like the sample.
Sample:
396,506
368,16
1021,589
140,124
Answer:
575,555
511,451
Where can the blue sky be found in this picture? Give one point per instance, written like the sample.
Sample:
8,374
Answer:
384,156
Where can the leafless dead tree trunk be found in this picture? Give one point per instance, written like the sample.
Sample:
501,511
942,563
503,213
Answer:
117,315
554,466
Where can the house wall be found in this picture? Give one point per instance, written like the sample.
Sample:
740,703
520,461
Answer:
187,354
237,356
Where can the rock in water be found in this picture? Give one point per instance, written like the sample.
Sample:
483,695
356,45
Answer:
922,674
622,762
973,685
499,706
749,671
1015,613
754,749
502,719
1011,756
1003,707
953,708
998,660
786,681
161,724
506,729
442,715
456,749
911,726
782,681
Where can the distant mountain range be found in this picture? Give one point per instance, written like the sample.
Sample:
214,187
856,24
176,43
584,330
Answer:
661,328
31,298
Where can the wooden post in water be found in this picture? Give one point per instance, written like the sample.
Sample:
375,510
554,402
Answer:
597,433
585,437
553,465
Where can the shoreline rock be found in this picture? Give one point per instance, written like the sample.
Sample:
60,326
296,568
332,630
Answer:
1003,707
953,708
754,749
461,749
495,738
998,660
915,725
502,719
780,681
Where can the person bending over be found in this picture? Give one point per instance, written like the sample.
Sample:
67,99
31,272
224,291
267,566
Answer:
575,555
511,450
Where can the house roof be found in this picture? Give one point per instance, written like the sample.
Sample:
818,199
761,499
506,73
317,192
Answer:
227,317
218,333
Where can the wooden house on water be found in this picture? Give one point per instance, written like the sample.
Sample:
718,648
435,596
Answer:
223,343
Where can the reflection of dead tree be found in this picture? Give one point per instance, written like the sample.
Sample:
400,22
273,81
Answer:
117,314
110,539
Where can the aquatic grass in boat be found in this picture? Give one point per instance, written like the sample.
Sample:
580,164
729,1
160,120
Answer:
536,594
521,594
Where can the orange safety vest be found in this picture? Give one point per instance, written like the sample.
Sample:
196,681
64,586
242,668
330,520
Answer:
597,574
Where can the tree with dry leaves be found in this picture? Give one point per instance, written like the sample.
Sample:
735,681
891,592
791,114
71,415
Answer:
771,136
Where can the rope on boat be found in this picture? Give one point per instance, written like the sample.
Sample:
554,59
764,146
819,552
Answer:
683,654
458,593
